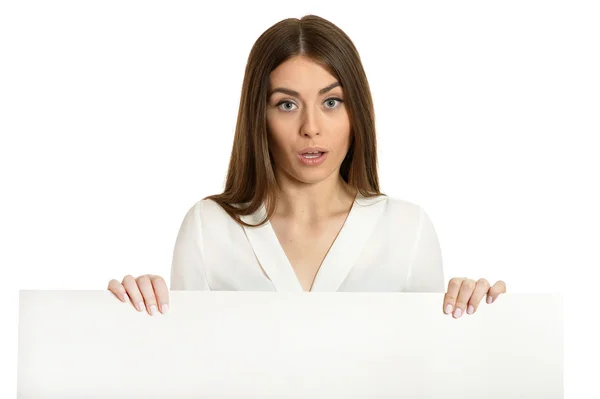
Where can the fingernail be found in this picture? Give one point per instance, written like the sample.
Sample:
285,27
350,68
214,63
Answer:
153,310
489,299
457,313
164,308
471,309
448,308
141,306
126,298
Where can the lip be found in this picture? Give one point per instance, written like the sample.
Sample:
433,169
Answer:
312,161
312,149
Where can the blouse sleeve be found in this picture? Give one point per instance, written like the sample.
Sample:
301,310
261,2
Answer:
187,267
426,273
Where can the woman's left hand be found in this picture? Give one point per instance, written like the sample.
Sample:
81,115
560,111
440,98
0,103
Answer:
465,294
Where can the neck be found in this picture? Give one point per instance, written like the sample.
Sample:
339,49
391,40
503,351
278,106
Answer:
314,202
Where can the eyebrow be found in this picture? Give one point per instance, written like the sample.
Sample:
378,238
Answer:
296,94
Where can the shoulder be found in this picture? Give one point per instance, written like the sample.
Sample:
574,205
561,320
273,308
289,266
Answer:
403,205
204,218
403,215
393,205
392,208
202,210
207,209
210,213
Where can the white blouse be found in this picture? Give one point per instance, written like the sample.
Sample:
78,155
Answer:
385,245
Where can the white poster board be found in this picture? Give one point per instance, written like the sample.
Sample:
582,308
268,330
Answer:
88,344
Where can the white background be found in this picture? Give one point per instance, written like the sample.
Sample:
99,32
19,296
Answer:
116,116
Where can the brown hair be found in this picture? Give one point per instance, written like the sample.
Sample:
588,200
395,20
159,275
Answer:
251,177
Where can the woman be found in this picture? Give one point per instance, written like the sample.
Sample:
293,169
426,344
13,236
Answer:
302,209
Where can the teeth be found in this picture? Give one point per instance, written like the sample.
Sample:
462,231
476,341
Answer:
311,155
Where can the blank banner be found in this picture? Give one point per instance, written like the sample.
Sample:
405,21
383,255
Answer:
88,344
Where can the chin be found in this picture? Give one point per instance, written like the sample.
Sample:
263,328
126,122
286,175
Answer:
312,176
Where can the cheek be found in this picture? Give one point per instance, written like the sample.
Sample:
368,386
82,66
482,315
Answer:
273,134
345,138
274,139
344,128
276,146
278,132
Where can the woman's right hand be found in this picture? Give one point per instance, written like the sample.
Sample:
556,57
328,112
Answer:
147,292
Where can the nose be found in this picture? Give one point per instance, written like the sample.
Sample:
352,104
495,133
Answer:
310,126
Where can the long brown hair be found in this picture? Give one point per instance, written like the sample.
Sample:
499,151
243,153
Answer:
251,176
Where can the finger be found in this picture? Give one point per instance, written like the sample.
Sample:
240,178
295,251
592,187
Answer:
145,286
117,288
466,291
481,289
161,292
496,290
134,293
452,294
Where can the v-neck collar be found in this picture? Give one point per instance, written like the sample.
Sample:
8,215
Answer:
338,261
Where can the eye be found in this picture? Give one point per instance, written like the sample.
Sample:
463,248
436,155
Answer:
328,101
334,99
280,103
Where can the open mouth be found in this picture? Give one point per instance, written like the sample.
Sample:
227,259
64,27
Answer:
313,158
312,155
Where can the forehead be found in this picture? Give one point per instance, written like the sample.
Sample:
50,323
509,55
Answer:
300,73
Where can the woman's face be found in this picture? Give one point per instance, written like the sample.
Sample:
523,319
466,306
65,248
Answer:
306,109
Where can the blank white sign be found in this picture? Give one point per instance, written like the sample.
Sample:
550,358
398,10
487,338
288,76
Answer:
88,344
